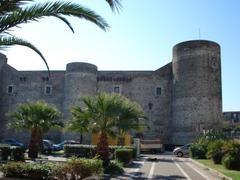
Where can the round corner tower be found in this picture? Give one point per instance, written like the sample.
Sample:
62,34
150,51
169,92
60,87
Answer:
197,96
80,80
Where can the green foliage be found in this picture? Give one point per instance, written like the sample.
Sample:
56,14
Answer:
198,151
38,117
27,170
231,158
124,155
5,151
75,168
87,151
114,167
230,162
215,151
13,14
104,114
18,153
78,168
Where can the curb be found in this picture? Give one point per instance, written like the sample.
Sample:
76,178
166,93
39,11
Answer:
211,170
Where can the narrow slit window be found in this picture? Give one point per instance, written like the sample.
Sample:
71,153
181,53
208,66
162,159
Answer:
10,89
48,89
158,91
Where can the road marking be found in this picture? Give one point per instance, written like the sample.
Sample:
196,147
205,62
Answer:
188,164
135,170
151,171
181,169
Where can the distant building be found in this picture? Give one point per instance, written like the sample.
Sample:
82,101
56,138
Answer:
180,99
232,117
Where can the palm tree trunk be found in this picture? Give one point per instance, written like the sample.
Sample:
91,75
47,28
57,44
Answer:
81,138
102,148
34,144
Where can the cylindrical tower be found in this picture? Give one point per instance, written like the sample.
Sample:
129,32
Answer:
80,80
197,96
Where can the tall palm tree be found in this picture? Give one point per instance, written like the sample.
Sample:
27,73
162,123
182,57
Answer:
37,117
16,12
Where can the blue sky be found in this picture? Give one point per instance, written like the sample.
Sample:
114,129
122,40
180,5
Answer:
141,37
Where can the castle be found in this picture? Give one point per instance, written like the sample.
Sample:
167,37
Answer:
180,99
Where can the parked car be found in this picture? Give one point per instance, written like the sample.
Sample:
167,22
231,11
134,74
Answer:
61,145
182,151
12,142
47,146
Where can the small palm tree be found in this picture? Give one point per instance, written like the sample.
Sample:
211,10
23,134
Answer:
104,114
128,118
79,122
16,12
37,117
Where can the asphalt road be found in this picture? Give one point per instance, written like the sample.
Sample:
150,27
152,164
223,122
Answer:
167,167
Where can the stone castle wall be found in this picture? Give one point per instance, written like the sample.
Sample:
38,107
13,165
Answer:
188,99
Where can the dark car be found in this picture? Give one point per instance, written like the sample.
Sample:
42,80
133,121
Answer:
182,151
47,146
65,142
12,142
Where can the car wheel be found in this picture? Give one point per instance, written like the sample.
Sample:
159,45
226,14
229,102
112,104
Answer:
180,154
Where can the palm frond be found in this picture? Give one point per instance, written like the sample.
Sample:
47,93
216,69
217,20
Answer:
115,5
8,41
57,9
7,6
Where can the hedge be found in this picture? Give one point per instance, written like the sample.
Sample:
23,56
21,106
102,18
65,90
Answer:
75,168
89,151
124,155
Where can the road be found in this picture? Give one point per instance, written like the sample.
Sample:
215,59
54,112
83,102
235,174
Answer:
167,167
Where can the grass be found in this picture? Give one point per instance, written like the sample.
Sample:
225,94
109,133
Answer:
235,175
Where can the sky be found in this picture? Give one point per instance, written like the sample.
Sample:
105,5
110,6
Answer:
140,37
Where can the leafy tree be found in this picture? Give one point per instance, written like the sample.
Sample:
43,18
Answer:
104,114
37,117
16,12
79,122
128,118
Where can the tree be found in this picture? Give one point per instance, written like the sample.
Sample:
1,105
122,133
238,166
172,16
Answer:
79,122
101,115
16,12
128,118
38,117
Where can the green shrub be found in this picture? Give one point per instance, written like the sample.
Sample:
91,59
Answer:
114,167
231,159
5,151
18,154
215,151
124,155
230,162
78,168
198,151
87,151
28,170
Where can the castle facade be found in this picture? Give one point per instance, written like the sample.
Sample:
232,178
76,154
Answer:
180,99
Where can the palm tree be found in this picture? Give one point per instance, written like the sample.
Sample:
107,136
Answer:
79,122
16,12
128,118
104,114
37,117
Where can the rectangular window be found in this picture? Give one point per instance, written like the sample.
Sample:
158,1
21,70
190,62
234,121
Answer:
48,89
158,91
10,89
117,89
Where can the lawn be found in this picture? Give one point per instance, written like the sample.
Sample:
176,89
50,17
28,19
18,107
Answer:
235,175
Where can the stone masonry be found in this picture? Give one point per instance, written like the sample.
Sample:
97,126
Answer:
180,99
